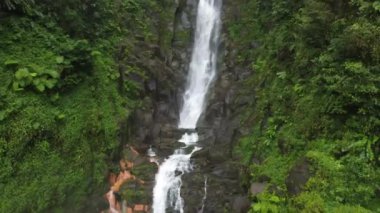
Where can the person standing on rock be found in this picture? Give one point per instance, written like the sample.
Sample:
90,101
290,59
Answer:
114,197
127,185
134,191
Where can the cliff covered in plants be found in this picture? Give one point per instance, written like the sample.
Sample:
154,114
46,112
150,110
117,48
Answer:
314,110
66,69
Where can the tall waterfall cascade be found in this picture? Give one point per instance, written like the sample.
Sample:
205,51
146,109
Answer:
202,71
203,63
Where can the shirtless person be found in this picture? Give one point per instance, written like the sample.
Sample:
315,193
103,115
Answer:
113,195
125,176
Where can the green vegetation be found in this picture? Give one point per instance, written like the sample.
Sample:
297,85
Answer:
316,82
64,68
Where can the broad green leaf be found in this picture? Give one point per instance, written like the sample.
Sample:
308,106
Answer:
40,87
50,83
10,62
257,207
35,68
36,125
16,86
59,59
95,53
2,115
376,6
21,73
274,199
52,73
61,116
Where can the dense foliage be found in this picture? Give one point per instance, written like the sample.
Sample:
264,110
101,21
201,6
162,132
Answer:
65,88
64,68
316,89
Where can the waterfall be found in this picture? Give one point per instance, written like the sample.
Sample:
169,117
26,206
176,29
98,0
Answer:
202,69
203,63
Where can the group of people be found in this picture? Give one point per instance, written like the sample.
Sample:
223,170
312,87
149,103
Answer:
125,177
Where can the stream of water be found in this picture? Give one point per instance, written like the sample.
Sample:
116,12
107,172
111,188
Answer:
202,71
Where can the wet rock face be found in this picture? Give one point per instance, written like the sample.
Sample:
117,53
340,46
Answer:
155,123
166,76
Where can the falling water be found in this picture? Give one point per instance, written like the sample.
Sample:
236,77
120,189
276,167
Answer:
202,69
204,197
203,63
168,181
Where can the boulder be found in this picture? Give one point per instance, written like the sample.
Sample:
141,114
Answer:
257,188
241,204
298,177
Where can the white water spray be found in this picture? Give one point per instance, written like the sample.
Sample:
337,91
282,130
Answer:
202,69
203,63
